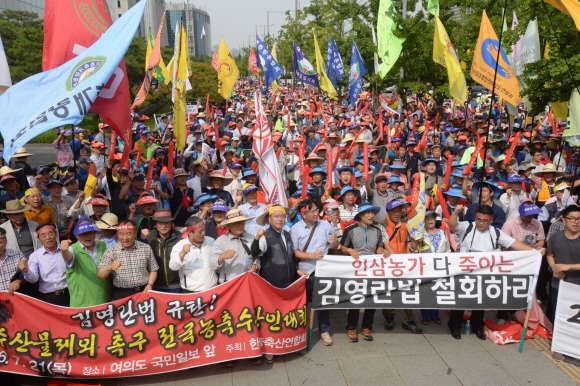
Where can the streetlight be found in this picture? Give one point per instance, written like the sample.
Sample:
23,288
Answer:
262,25
268,18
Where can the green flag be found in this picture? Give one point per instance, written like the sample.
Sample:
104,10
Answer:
389,46
433,7
572,131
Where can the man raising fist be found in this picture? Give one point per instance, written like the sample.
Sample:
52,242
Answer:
81,261
190,257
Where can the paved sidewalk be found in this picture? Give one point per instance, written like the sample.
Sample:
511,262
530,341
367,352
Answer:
394,358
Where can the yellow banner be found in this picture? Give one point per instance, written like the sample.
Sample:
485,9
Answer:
227,71
569,7
90,185
445,55
325,83
484,64
179,129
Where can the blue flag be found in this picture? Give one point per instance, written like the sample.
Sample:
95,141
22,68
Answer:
272,70
65,94
357,71
303,68
337,62
329,68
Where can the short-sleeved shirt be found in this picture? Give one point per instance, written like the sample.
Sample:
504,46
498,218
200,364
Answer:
9,266
515,228
478,241
347,215
60,209
363,239
136,264
44,215
300,233
565,251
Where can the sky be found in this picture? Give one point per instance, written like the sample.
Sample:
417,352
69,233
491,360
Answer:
236,20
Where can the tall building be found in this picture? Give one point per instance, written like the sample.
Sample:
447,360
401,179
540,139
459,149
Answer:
36,6
196,21
151,17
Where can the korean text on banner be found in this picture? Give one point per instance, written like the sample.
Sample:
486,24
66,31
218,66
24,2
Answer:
464,281
566,338
153,332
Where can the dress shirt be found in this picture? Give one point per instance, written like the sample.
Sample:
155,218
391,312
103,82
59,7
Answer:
47,268
235,266
195,271
136,264
300,233
249,211
9,266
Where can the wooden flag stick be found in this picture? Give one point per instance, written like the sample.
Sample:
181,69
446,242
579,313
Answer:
525,330
310,323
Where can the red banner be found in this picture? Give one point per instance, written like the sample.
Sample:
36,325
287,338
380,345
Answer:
153,332
70,27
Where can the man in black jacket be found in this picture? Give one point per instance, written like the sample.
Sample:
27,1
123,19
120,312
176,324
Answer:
180,198
162,239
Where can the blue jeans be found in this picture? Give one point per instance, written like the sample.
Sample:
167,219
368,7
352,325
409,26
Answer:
323,315
426,314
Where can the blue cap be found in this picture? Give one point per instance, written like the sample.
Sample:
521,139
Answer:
159,151
345,190
204,197
317,169
68,179
249,189
138,176
344,169
248,173
395,203
457,174
144,131
366,207
496,189
514,177
454,192
394,179
358,174
528,208
85,225
428,160
219,206
54,182
411,142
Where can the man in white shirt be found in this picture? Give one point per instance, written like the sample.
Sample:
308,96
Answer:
190,257
511,199
252,208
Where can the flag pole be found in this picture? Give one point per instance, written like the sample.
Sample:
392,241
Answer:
486,142
524,331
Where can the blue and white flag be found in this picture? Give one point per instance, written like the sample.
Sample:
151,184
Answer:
272,70
337,62
303,69
357,71
65,94
329,69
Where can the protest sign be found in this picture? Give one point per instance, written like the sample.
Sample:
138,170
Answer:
191,107
566,338
153,332
483,280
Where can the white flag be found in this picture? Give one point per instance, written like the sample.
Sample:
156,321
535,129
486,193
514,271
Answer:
202,32
5,80
529,48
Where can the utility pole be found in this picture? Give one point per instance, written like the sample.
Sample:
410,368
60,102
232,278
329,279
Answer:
401,70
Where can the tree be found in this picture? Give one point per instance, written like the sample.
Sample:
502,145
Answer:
22,36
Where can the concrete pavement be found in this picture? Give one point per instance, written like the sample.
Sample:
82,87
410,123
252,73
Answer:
394,358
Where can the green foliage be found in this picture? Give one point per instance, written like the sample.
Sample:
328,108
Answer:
547,80
22,36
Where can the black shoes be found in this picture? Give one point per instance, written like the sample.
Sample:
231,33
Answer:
480,335
389,323
456,334
412,327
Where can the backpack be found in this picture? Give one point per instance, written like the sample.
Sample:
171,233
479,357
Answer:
494,243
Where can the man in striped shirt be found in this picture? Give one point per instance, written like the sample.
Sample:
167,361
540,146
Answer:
348,209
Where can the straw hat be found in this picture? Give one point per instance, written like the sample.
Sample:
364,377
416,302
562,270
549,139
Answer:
500,159
234,215
15,206
314,157
7,169
549,168
108,221
22,153
218,174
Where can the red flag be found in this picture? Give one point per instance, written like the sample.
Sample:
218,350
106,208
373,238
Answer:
366,161
252,63
150,174
170,153
67,33
112,145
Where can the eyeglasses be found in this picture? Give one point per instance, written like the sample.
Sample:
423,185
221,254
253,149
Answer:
316,211
573,219
482,219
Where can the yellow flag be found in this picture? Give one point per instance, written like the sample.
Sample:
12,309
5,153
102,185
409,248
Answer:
165,70
180,88
484,63
445,55
150,45
227,71
325,83
569,7
547,51
275,57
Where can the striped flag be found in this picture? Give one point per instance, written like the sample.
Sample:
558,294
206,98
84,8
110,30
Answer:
263,147
416,222
214,60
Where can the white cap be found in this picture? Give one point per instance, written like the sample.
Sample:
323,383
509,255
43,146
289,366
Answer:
235,139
